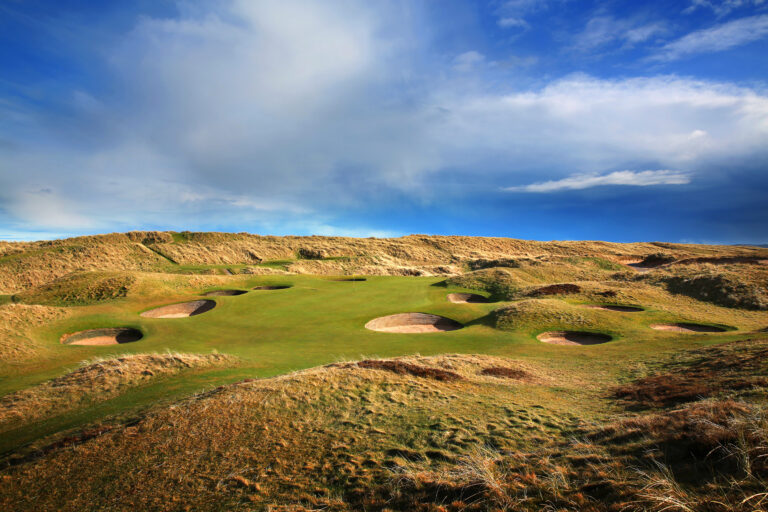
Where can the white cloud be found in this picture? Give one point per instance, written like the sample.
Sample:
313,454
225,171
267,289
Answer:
625,178
721,7
716,39
510,22
586,124
274,113
603,30
467,61
512,12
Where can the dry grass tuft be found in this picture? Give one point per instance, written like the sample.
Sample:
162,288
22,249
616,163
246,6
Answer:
16,324
404,368
96,380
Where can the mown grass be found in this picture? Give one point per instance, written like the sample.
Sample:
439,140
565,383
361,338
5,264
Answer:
320,320
526,425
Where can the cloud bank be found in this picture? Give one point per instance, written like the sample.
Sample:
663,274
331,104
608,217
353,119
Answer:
275,113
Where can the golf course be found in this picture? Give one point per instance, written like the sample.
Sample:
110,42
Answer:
263,384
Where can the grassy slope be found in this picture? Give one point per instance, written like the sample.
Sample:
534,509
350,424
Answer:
349,438
319,321
28,264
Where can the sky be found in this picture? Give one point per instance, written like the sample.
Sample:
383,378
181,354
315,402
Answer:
535,119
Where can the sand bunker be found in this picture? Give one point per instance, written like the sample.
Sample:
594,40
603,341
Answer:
413,322
573,338
687,327
182,310
467,298
275,287
350,279
108,336
224,293
613,307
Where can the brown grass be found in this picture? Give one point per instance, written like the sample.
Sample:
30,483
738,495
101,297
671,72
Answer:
702,374
16,324
27,264
404,368
96,380
556,289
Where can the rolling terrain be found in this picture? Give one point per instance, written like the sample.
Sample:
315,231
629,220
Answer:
214,371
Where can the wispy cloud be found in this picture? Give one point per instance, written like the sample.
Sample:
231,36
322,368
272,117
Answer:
715,39
468,60
721,7
626,178
604,30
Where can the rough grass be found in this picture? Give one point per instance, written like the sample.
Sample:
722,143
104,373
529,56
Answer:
80,289
348,437
543,314
96,380
17,323
28,264
737,286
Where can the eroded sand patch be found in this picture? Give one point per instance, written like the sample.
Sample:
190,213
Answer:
106,336
687,327
224,293
467,298
413,323
573,338
182,310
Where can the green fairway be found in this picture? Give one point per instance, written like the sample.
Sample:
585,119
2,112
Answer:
317,320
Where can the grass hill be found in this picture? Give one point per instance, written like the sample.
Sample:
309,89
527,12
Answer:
27,264
213,371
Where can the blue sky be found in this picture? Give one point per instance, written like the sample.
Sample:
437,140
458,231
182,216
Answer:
539,119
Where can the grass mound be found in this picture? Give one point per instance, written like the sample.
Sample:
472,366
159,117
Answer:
17,322
80,289
501,284
542,314
96,380
556,289
745,286
404,368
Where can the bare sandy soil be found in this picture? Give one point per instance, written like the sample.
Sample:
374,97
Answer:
182,310
573,338
413,323
224,293
686,327
108,336
467,298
